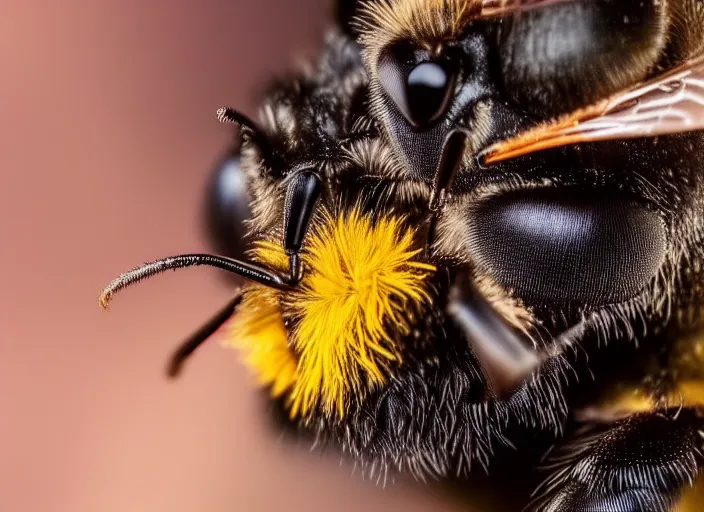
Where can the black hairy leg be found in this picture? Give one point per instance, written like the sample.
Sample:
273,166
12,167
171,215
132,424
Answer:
642,463
505,358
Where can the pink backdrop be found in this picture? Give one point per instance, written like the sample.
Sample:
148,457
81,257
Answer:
106,133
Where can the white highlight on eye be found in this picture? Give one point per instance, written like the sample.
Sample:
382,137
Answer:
231,181
428,74
555,224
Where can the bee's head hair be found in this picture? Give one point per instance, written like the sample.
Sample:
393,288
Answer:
427,23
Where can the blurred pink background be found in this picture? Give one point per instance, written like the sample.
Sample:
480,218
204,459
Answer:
107,134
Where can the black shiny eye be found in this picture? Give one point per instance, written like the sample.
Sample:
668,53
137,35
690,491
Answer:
567,246
427,92
421,91
227,207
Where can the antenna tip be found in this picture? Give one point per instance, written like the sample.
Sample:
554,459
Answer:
223,115
174,367
104,300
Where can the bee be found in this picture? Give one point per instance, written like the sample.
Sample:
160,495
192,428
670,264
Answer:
474,247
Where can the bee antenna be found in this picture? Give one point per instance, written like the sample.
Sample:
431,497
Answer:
229,115
242,269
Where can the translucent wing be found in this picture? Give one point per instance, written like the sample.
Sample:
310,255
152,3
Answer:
670,103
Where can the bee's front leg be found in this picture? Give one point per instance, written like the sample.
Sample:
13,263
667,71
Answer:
639,464
506,359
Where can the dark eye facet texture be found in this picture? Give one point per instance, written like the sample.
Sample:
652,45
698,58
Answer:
567,247
569,55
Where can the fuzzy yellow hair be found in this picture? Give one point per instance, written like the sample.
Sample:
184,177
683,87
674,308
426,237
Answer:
258,332
360,282
692,498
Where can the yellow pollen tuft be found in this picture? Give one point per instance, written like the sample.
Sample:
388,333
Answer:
360,286
360,280
258,332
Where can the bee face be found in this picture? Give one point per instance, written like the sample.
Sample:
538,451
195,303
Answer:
579,226
488,183
436,66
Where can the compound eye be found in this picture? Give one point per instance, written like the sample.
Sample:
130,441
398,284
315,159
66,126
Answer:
227,207
422,92
568,246
428,92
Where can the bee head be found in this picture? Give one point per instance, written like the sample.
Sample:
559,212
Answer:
439,65
565,232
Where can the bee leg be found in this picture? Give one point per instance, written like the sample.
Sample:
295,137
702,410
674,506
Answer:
301,196
505,358
640,464
194,341
450,160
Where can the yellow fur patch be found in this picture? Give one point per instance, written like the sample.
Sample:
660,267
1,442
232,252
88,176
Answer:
634,400
620,403
693,498
360,279
258,332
